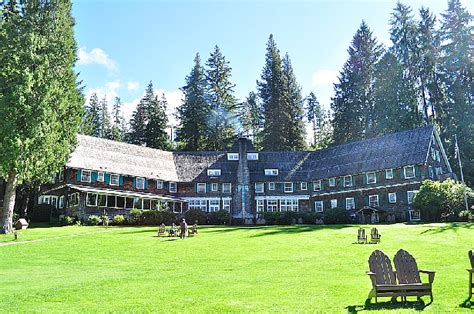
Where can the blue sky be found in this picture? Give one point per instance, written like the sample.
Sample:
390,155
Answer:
125,44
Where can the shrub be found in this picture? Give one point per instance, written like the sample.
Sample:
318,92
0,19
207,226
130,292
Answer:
156,217
288,218
42,213
337,216
104,219
310,218
118,220
67,220
464,215
134,216
272,218
93,220
195,214
220,217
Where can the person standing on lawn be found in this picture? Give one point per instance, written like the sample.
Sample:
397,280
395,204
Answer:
184,228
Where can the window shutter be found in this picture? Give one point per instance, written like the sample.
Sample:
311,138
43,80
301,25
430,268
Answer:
322,184
195,188
78,175
208,187
364,178
366,200
146,183
120,180
93,176
417,171
135,182
107,178
353,178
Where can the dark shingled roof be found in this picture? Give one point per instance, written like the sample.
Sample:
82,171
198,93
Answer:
192,166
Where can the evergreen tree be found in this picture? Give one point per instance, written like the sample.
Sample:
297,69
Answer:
457,72
155,132
105,126
251,118
40,102
296,132
91,121
118,129
221,130
353,103
194,111
272,90
315,115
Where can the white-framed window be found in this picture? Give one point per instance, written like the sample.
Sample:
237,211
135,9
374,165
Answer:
438,158
271,186
61,201
214,187
317,185
350,203
198,204
213,172
232,156
411,196
414,215
91,199
272,205
271,172
139,183
332,182
201,187
388,174
115,179
373,200
259,187
347,181
173,187
44,199
304,186
85,175
288,187
409,172
288,205
214,205
333,203
318,206
260,205
252,156
102,200
100,176
371,177
392,198
54,201
226,205
159,184
73,199
226,187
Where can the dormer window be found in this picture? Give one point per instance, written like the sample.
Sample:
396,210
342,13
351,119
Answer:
288,187
100,176
371,178
213,172
388,174
114,179
332,181
201,188
317,185
173,187
159,184
304,186
140,183
259,187
85,176
232,156
409,172
271,172
252,156
348,181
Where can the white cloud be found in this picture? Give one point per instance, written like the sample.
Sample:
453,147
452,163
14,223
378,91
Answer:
96,56
133,85
324,77
109,91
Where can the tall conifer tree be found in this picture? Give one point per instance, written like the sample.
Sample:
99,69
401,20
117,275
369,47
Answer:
251,118
155,131
91,121
118,129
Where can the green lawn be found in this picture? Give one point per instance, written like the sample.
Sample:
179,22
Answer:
223,269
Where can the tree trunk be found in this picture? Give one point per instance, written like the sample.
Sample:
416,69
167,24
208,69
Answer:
9,203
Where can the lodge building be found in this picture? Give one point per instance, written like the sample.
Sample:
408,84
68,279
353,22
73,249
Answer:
374,179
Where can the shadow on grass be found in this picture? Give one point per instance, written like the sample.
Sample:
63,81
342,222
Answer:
276,229
467,304
390,305
454,226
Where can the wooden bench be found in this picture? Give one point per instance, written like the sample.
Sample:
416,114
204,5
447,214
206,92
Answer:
374,236
361,236
383,278
471,272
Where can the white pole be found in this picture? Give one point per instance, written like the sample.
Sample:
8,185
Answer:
458,152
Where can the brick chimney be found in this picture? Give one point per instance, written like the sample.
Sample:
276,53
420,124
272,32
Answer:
242,208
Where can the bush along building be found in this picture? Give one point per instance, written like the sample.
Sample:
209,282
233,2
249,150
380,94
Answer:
373,180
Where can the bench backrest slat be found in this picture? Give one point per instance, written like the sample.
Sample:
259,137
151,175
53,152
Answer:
406,267
380,264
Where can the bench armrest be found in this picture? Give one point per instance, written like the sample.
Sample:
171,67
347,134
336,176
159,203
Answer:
431,274
470,270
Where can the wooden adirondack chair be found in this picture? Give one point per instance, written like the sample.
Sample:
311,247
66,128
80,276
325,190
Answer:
408,276
384,281
374,236
471,272
361,237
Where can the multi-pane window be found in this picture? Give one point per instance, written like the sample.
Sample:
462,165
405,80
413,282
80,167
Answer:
388,174
137,203
173,187
334,203
213,172
61,201
272,205
332,181
91,199
318,206
232,156
100,176
271,172
140,183
260,205
350,203
201,188
288,187
373,200
410,196
414,215
214,205
304,186
348,181
271,186
392,198
317,185
409,172
214,187
288,205
226,187
159,184
252,156
226,205
198,204
115,179
371,178
85,175
73,199
258,187
102,200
